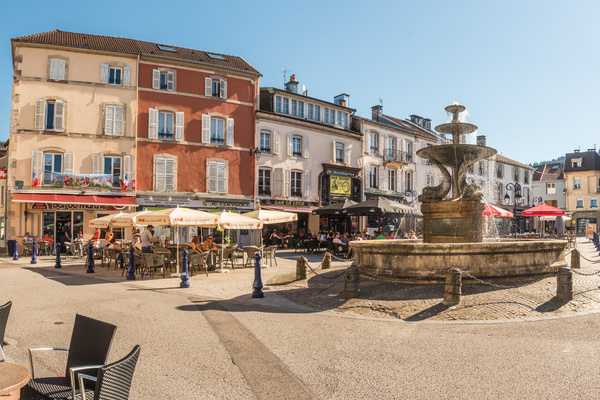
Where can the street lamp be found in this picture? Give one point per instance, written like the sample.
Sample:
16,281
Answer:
518,199
537,200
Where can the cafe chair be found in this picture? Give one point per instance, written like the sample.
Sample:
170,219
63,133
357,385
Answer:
250,251
4,311
269,252
90,342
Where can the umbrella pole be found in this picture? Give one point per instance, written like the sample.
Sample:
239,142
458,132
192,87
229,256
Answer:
221,258
177,238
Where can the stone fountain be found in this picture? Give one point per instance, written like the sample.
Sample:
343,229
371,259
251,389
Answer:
453,227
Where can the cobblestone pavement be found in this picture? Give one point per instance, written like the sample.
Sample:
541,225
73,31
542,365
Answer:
527,300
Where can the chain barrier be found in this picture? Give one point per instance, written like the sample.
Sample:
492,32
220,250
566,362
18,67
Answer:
584,274
588,260
322,276
489,283
339,258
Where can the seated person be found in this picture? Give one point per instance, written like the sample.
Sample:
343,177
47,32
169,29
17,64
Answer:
114,245
79,237
194,245
96,237
275,239
412,235
27,238
380,236
47,238
337,240
207,245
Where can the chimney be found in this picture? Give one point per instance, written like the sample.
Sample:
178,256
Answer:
416,119
427,123
292,85
376,112
576,151
481,140
341,99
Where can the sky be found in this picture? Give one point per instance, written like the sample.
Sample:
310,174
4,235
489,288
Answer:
528,71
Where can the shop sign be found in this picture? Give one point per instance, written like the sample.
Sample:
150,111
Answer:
330,171
196,203
87,207
340,187
224,204
2,174
289,203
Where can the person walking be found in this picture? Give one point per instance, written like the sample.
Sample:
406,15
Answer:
147,239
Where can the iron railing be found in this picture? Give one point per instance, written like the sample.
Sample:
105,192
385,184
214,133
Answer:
392,155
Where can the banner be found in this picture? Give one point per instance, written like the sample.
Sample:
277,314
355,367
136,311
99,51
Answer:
83,180
340,186
589,231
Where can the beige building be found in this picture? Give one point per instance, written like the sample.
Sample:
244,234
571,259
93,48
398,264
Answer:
582,187
72,134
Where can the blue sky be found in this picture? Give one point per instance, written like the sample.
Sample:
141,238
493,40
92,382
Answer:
528,71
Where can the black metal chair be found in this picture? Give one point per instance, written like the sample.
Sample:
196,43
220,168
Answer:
4,311
90,343
113,380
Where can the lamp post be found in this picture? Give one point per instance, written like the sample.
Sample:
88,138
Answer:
412,195
537,201
517,199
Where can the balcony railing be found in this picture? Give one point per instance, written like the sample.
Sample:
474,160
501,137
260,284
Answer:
391,155
57,179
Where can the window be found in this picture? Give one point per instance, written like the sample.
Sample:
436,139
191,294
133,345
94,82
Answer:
317,113
594,202
57,69
576,162
516,174
286,106
391,145
217,176
499,171
374,143
430,180
297,145
114,76
216,131
470,169
301,109
311,113
373,177
409,147
339,118
164,174
113,120
499,192
525,176
576,183
579,203
294,107
550,188
264,181
481,168
52,163
327,116
278,104
163,80
112,167
215,56
408,181
215,87
339,152
165,125
265,141
296,184
392,180
49,115
161,124
166,48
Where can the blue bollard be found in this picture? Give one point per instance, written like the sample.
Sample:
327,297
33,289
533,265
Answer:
16,256
34,253
90,259
58,264
185,278
131,270
257,285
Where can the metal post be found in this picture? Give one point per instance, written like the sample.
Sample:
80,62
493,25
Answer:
58,264
257,285
564,284
326,264
16,256
301,269
121,260
131,270
453,287
90,260
185,278
515,217
575,259
34,253
352,285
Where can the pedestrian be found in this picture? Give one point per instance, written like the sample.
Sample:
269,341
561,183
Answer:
68,232
147,239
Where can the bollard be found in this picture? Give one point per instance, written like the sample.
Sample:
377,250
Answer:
16,256
34,253
121,261
453,287
185,278
58,264
352,285
131,269
301,269
257,285
575,259
90,259
326,264
564,284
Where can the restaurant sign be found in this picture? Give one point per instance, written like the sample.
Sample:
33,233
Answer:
87,207
330,171
340,187
289,203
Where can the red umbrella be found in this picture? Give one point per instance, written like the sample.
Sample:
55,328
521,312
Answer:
493,211
543,210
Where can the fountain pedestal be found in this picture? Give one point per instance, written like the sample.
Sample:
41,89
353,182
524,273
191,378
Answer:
452,221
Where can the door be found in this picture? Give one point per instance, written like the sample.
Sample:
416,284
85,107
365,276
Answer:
62,218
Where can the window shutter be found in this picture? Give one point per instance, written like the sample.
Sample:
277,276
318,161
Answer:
40,114
53,74
170,81
97,163
152,123
37,165
104,73
170,174
155,79
208,87
382,178
287,185
305,153
221,177
68,160
307,183
126,76
59,116
159,173
118,131
128,169
278,182
386,144
398,181
109,118
223,88
61,65
229,131
179,126
381,144
211,178
333,152
276,142
205,128
367,142
347,154
290,148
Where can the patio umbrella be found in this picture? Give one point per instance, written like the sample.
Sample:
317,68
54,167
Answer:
229,220
126,220
493,211
272,217
543,210
103,222
334,208
559,225
380,206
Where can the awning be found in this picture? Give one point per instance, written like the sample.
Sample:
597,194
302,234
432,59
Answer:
307,210
74,199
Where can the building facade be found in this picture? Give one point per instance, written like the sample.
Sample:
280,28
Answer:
582,181
549,184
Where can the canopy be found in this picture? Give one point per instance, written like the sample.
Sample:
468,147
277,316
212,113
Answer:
229,220
178,217
542,210
381,205
272,217
103,222
126,220
559,226
334,208
493,211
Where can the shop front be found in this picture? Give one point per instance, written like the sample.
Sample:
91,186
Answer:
336,184
582,218
303,209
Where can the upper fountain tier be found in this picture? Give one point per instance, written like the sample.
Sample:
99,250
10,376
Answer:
456,127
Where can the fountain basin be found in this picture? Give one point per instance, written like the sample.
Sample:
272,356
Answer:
426,262
454,155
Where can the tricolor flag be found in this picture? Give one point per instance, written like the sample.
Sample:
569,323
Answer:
125,183
36,181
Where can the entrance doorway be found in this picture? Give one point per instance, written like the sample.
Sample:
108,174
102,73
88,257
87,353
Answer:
55,225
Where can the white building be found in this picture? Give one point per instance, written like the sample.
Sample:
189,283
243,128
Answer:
549,184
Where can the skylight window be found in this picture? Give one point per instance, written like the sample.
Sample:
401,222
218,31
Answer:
554,167
166,48
215,56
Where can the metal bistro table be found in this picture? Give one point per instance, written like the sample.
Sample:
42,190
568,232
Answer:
12,378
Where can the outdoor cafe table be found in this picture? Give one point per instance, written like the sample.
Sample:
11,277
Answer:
12,378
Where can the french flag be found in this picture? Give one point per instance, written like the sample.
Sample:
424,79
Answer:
125,183
36,181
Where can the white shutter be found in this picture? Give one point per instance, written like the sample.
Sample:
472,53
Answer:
97,163
104,73
307,183
152,123
159,173
305,152
223,88
170,174
61,65
128,169
205,128
229,131
37,165
221,177
287,184
170,81
179,126
59,116
68,163
333,153
290,148
53,69
347,154
208,87
211,177
367,142
381,143
276,142
155,79
385,145
109,118
278,182
399,181
40,114
126,76
118,131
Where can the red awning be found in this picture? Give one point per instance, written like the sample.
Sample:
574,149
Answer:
74,199
543,210
493,211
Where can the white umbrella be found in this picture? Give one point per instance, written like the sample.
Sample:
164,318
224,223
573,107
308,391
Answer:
269,217
103,222
126,220
229,220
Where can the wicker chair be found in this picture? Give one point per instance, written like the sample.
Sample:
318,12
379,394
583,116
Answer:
250,250
4,311
113,381
90,343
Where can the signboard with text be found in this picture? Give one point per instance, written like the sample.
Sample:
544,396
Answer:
340,187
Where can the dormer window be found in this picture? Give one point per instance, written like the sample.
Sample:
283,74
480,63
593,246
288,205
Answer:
576,162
